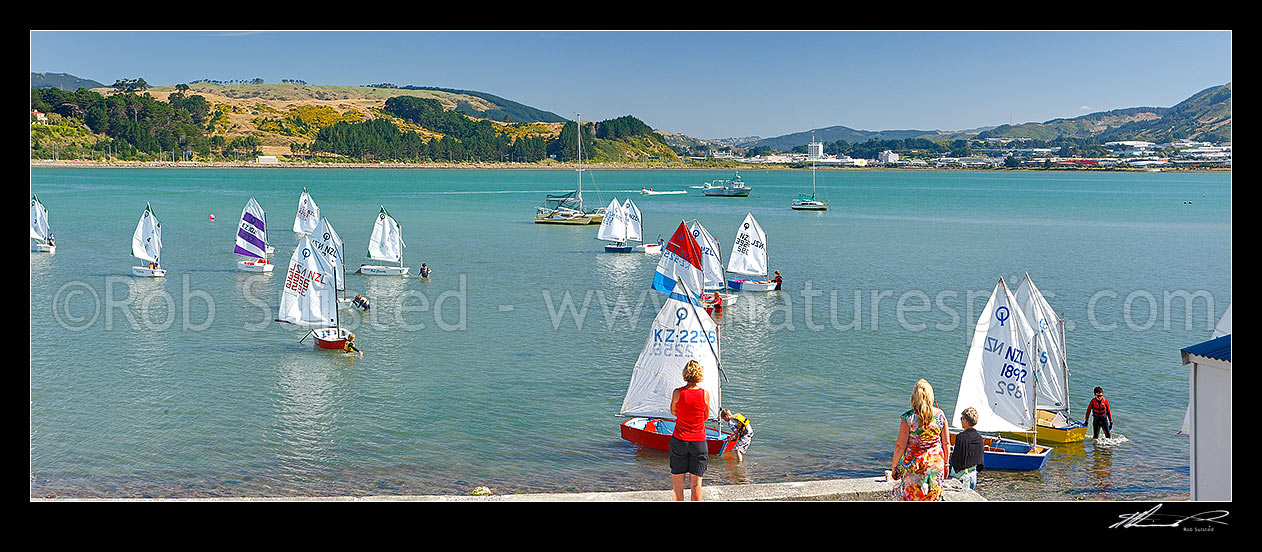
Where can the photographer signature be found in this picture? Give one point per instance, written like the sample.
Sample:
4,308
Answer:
1150,517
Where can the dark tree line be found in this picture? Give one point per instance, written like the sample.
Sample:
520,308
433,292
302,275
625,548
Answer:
139,121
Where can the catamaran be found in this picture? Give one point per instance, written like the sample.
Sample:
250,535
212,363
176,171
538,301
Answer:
309,297
622,225
327,242
569,207
386,244
1055,423
999,383
252,239
679,333
749,257
146,245
40,231
308,214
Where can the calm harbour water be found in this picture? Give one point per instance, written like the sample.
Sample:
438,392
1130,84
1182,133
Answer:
508,367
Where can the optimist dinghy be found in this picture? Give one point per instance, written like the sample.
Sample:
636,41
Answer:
39,228
386,244
146,245
252,239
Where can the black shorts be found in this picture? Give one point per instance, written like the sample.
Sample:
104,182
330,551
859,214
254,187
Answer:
688,457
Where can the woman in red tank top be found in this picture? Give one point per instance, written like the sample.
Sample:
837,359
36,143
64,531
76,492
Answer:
690,405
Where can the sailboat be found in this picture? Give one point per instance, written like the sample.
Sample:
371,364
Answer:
252,239
40,231
679,333
803,203
146,245
711,266
681,262
327,242
998,382
308,214
1055,424
569,207
386,244
309,297
621,226
749,257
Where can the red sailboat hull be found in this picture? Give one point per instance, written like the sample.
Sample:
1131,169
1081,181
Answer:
655,433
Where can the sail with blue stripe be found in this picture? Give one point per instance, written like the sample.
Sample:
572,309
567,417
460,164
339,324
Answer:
681,262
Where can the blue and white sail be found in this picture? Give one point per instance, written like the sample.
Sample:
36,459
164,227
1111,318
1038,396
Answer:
635,228
39,221
252,232
681,262
712,265
327,241
999,375
1051,365
614,226
680,333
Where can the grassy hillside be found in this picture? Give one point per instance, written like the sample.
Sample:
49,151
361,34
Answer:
64,81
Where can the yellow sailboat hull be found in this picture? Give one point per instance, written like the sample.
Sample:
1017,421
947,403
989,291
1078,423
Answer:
1048,433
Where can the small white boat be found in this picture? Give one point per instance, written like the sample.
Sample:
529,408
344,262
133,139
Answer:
386,244
39,228
252,239
309,297
651,191
146,245
621,227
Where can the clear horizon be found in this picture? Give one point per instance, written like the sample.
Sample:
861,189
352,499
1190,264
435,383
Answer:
704,84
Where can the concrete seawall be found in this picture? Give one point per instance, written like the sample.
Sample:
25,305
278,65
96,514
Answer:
858,489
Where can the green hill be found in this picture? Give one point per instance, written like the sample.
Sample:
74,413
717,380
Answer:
63,81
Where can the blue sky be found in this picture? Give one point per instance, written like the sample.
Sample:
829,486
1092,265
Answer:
706,84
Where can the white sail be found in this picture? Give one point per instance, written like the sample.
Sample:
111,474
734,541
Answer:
1053,369
998,380
635,228
712,258
749,252
252,232
308,214
146,241
386,243
309,297
327,241
614,227
681,332
39,220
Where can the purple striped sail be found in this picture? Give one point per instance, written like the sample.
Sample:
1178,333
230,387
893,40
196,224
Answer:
252,232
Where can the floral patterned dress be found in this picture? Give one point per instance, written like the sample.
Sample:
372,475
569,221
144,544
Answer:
923,466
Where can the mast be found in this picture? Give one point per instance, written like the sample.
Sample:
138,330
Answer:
578,125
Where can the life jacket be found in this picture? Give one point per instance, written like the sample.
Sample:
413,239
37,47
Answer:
744,423
1100,407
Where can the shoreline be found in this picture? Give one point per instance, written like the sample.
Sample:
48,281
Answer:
554,167
860,489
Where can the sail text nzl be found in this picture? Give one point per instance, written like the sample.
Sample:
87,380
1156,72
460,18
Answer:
299,279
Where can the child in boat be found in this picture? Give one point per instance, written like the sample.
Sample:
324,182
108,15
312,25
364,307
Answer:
967,456
742,431
1100,414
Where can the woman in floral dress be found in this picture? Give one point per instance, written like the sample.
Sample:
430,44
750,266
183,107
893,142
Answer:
921,450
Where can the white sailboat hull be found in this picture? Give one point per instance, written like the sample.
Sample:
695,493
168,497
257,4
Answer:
146,272
651,248
752,285
44,248
378,270
255,265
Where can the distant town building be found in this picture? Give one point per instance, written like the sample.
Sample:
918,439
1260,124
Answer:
40,118
266,160
815,150
887,157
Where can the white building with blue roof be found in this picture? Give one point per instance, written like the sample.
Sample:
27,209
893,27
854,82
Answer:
1208,421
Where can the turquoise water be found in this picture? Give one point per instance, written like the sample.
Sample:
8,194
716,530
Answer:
508,367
